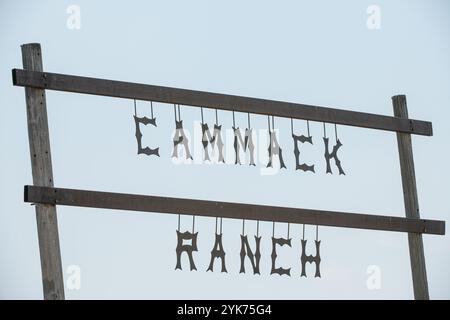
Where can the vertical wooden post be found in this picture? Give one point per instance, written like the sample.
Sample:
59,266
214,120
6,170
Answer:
41,165
416,253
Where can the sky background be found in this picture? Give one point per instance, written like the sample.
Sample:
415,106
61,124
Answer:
312,52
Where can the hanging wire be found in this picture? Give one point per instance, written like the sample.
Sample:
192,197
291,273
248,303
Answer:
270,135
217,118
179,218
179,114
175,111
317,232
257,228
303,236
217,218
273,123
324,130
248,119
193,224
292,126
135,113
151,108
289,226
201,110
243,227
335,132
273,230
221,225
234,122
307,126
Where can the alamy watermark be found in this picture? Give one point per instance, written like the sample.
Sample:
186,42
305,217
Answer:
73,281
373,21
373,281
258,155
73,21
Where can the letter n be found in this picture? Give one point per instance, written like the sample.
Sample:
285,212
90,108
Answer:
247,251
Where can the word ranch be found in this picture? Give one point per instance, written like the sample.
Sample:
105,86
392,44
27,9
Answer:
253,255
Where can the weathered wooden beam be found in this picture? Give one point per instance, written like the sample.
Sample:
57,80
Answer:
121,201
416,253
119,89
41,167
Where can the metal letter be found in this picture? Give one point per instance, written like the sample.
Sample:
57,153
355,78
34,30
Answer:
215,138
302,166
281,242
246,250
178,138
246,143
144,120
311,259
274,149
188,248
333,154
217,252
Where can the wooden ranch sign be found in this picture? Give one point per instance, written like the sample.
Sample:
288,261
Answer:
46,196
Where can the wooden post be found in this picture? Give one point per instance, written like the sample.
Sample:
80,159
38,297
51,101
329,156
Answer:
41,165
416,253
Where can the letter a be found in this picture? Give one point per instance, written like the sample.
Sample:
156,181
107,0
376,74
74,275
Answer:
180,138
274,149
217,252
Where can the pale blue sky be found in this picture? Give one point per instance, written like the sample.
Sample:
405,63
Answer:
314,52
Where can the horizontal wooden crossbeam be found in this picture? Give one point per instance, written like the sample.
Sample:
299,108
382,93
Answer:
121,201
119,89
